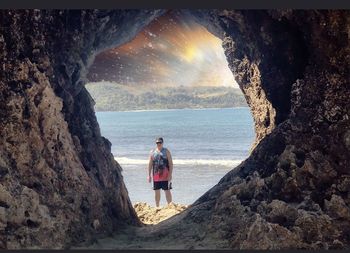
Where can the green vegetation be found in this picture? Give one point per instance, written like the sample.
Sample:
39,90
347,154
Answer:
115,97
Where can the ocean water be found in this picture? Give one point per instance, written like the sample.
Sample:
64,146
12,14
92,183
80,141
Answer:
205,144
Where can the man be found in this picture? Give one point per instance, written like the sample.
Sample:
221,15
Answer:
161,167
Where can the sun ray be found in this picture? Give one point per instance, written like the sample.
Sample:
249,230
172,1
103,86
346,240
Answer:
173,50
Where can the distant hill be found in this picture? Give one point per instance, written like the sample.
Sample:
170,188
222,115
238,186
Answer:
115,97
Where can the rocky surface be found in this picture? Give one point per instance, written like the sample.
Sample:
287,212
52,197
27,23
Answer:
59,183
153,215
290,192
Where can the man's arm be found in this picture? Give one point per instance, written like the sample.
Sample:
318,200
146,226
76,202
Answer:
150,164
170,160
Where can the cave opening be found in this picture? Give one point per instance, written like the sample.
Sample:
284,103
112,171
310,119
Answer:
153,86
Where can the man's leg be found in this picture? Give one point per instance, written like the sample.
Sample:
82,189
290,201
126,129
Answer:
168,196
157,197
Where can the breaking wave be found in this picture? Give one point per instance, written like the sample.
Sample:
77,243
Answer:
229,163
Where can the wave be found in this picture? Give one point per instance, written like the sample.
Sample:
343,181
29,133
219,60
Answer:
229,163
179,109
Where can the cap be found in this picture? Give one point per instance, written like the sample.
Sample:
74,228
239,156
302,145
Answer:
160,139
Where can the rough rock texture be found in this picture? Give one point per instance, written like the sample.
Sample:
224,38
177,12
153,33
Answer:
293,190
59,182
266,56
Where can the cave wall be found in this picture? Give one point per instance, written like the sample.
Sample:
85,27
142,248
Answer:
58,176
294,189
266,55
59,182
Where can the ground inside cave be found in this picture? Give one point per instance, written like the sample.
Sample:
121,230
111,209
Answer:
154,220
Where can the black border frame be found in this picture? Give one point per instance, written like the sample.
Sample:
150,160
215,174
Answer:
174,4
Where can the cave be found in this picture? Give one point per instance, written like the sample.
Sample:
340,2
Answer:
291,192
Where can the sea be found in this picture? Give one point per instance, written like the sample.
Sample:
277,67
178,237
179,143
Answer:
205,144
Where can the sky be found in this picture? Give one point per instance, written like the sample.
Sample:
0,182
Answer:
172,50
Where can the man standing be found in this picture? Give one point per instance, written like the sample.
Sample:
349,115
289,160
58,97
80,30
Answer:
161,164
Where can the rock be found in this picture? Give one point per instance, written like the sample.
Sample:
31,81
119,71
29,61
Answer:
3,218
344,184
6,200
347,139
337,245
315,228
266,236
281,213
337,208
56,156
96,224
309,205
3,172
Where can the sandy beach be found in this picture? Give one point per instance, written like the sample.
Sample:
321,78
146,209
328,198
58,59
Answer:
152,215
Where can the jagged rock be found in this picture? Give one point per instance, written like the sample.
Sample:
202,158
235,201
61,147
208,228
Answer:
96,224
315,228
337,208
57,174
281,213
265,235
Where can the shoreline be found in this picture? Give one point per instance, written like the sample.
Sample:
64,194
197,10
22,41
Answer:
177,109
213,162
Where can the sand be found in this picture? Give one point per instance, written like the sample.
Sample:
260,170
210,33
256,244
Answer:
139,237
152,215
159,232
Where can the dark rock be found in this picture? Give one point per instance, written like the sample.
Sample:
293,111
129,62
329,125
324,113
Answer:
3,172
337,208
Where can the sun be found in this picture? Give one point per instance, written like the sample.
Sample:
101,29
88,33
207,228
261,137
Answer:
192,53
